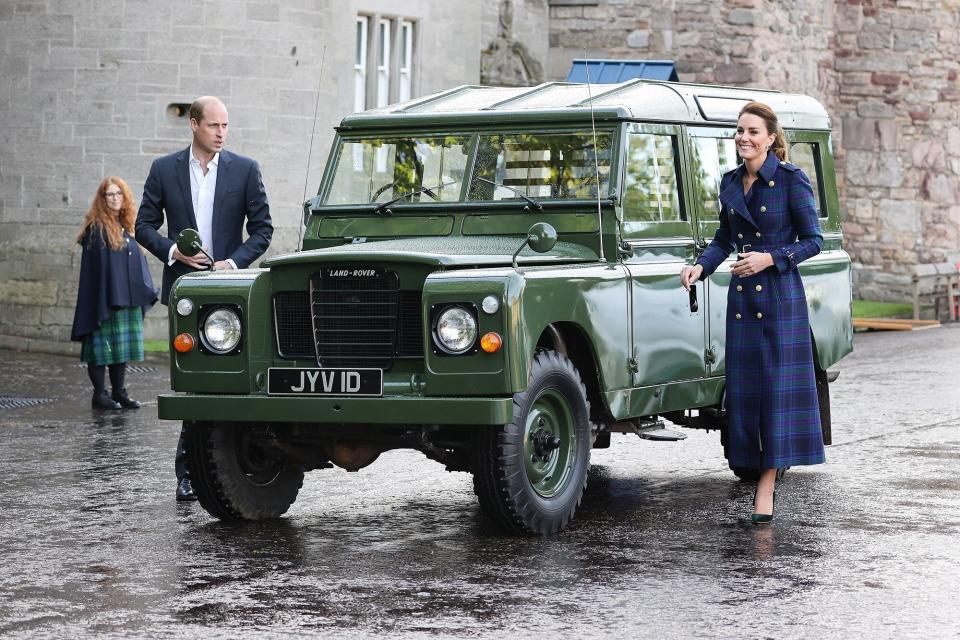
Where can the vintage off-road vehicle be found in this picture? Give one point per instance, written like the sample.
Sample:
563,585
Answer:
489,276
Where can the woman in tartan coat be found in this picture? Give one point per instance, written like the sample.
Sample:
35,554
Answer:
768,216
115,292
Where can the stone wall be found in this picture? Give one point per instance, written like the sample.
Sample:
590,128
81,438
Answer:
84,92
886,71
898,107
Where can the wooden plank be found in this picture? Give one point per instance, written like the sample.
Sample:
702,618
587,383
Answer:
893,324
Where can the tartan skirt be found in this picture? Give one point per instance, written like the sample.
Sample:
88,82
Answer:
118,339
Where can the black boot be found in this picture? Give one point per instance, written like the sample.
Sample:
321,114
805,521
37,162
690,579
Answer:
100,398
117,374
125,401
102,401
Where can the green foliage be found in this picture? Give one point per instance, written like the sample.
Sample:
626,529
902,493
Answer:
156,346
874,309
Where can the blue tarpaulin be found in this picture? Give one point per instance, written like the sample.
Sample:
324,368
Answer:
614,71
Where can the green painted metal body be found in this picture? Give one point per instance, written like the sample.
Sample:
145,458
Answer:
609,288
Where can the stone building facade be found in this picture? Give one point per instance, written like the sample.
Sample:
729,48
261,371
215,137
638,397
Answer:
886,71
90,88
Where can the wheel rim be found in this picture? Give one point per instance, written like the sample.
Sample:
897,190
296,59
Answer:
549,443
258,463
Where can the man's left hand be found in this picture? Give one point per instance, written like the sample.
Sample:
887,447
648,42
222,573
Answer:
222,265
750,263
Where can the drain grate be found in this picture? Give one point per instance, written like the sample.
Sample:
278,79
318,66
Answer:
136,368
15,402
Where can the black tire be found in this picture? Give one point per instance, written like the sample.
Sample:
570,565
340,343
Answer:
515,466
234,476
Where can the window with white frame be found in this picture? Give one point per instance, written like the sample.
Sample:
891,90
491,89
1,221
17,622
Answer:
383,62
360,66
406,61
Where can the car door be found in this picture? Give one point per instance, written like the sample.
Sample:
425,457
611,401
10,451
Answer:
712,153
657,229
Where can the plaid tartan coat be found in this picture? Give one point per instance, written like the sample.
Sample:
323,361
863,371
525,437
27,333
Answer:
774,416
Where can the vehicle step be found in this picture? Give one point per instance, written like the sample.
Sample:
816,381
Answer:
662,435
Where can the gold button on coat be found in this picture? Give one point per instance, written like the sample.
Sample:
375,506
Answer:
737,316
763,208
740,236
739,287
759,287
759,315
758,234
771,183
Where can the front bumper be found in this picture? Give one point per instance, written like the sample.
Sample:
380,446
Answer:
332,410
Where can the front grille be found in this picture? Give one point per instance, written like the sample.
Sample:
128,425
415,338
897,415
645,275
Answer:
410,328
355,319
291,315
359,325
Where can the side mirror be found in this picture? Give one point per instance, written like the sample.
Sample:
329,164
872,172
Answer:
188,243
541,238
308,207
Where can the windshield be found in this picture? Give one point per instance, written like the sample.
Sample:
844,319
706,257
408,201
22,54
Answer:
541,166
382,169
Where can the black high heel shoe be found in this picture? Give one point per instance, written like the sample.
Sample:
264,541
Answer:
762,518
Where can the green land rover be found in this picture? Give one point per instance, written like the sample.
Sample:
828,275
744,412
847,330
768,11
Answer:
489,276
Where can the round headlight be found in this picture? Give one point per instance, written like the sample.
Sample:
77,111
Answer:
221,331
184,306
490,304
456,330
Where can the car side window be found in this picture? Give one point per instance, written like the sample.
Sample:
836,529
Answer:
804,155
651,189
712,158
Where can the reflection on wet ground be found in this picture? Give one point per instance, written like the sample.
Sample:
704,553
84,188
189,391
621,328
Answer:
93,544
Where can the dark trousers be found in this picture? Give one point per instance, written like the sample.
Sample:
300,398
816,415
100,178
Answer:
180,461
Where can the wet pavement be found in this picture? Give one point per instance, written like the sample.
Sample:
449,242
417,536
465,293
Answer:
93,544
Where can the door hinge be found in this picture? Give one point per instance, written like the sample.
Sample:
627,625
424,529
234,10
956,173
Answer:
709,355
633,365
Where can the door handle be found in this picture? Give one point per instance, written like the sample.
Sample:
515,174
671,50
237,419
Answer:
694,303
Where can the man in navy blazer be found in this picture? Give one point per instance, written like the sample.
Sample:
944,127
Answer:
206,188
180,186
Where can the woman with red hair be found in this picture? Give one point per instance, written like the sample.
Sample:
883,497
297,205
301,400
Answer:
115,292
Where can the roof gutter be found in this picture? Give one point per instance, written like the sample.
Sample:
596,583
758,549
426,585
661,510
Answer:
440,120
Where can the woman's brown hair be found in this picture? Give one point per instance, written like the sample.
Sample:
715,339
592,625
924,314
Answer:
761,110
102,218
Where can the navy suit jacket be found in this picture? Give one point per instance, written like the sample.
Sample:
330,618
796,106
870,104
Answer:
239,195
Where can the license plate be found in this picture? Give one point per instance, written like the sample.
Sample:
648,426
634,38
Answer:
288,381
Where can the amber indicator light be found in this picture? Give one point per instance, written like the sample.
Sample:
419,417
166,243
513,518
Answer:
491,342
183,342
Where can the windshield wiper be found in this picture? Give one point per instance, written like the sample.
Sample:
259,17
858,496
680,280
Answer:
530,201
382,208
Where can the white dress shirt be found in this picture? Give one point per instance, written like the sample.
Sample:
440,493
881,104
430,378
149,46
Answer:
202,190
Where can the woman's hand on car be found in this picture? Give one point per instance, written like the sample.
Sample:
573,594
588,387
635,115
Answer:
689,275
